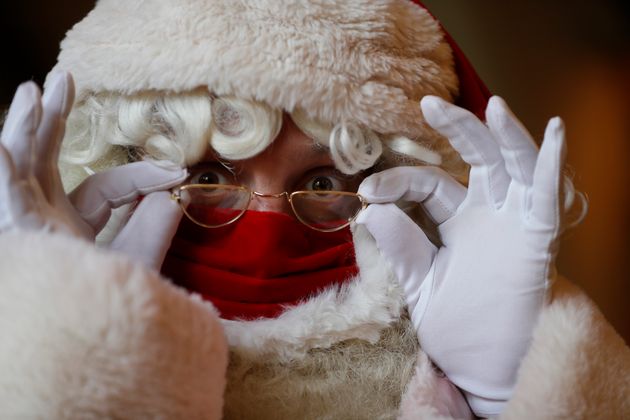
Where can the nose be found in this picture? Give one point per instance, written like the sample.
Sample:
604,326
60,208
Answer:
277,203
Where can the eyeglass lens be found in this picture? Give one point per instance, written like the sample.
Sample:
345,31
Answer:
214,206
325,210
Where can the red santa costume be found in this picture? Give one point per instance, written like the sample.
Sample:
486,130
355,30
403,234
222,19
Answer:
88,332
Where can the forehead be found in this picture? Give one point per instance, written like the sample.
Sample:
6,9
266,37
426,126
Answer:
291,154
292,148
293,141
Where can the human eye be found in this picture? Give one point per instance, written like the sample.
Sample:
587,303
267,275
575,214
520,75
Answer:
328,179
211,173
323,183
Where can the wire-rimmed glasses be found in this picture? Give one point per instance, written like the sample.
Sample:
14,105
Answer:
218,205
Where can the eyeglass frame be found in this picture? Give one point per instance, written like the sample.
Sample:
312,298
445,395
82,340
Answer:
176,196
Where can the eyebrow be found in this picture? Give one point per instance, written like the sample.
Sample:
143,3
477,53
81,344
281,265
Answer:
227,165
319,148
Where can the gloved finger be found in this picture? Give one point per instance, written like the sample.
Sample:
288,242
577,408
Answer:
474,142
402,243
547,181
518,148
57,102
20,126
100,193
7,169
7,176
148,234
438,192
15,196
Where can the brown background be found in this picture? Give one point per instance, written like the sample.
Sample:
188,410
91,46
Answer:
567,58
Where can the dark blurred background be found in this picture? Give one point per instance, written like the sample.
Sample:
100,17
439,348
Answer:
566,58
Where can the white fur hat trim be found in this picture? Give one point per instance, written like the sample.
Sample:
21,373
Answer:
365,61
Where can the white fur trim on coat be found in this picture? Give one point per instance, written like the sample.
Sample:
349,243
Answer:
367,61
577,366
87,334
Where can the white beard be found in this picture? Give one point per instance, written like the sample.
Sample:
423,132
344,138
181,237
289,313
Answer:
360,309
348,352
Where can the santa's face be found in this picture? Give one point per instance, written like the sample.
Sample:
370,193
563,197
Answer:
293,162
253,255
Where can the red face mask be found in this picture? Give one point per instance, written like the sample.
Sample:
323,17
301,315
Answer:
256,266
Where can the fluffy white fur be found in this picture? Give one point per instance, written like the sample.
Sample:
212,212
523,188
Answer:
577,366
367,61
351,379
430,395
356,66
360,310
88,334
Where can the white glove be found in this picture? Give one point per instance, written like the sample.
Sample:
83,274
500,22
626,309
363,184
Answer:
32,195
476,299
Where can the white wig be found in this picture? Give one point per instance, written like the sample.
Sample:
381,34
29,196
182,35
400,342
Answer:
106,129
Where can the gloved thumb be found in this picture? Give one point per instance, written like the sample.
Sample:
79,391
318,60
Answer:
438,192
403,244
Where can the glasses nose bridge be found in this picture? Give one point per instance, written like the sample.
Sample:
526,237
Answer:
285,207
277,195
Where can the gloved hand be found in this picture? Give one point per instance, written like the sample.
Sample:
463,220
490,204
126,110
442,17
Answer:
475,299
32,195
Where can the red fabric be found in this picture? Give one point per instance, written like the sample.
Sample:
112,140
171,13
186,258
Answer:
473,93
255,267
